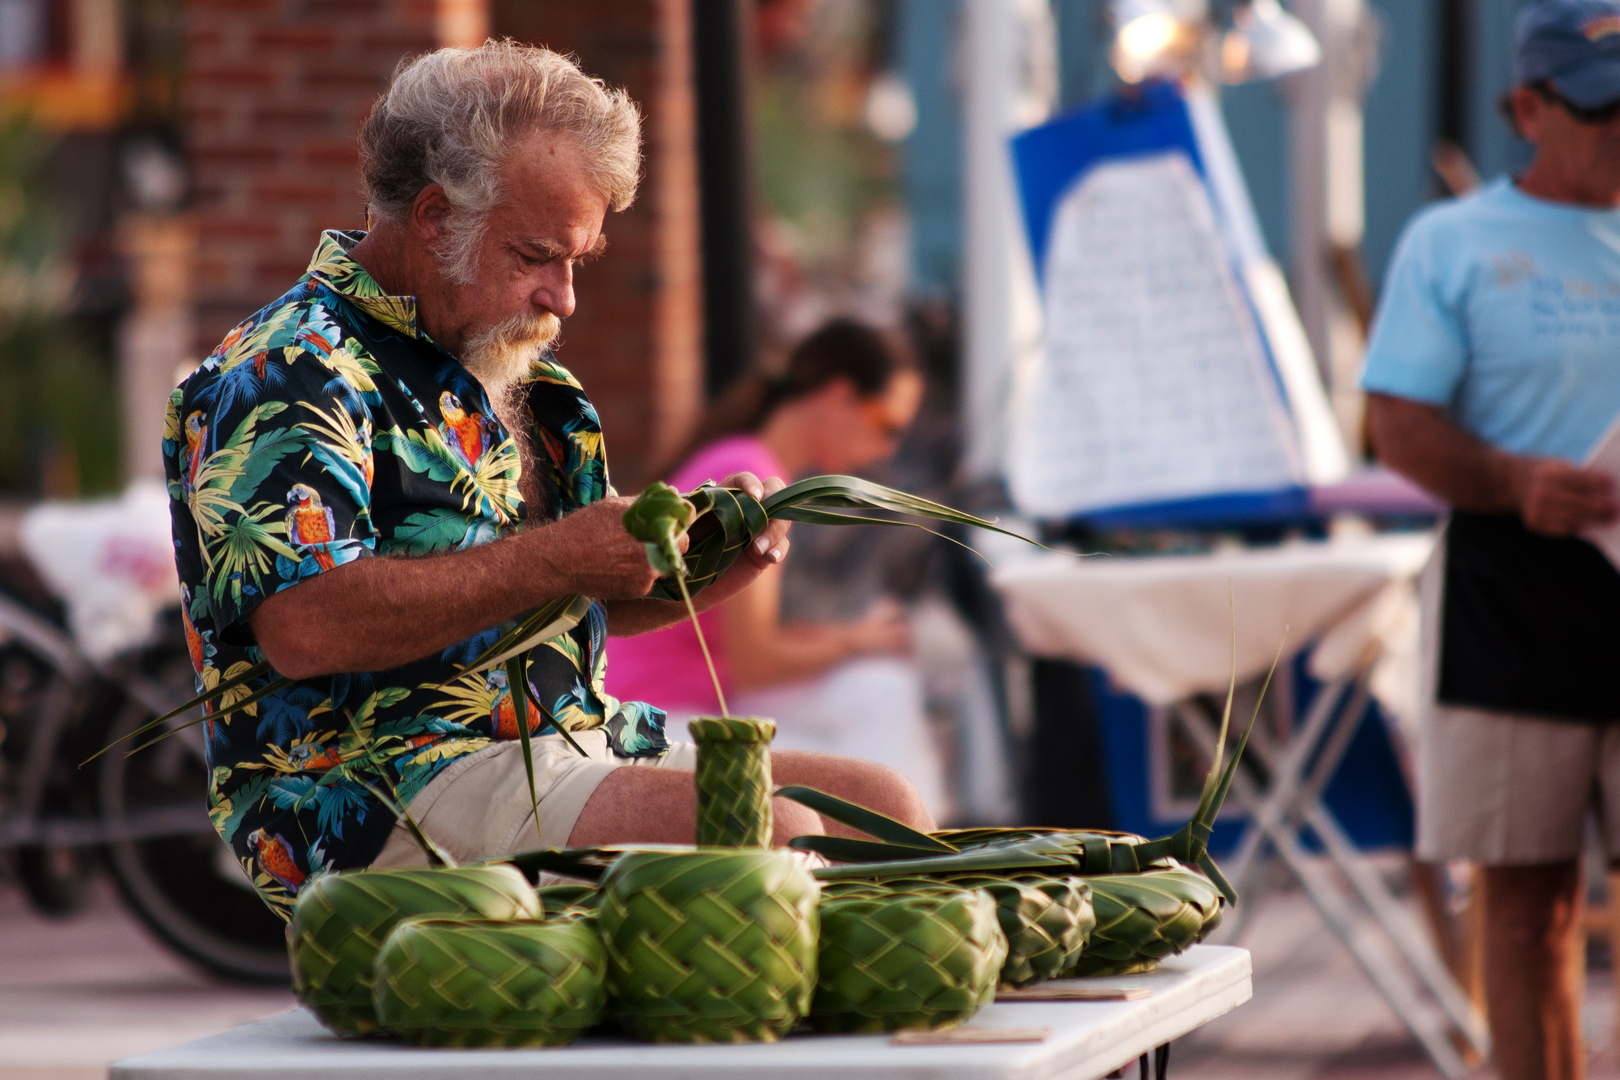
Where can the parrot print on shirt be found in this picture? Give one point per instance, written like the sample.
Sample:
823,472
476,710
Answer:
326,429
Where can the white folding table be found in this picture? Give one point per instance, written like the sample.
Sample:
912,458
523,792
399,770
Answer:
1086,1040
1161,627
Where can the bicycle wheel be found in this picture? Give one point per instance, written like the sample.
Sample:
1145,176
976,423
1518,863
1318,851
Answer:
184,885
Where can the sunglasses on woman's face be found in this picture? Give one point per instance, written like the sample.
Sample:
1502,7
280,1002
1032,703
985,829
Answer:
1601,114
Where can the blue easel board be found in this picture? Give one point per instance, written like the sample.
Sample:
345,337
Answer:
1051,161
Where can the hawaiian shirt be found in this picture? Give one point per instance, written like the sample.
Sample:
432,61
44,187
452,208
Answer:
329,428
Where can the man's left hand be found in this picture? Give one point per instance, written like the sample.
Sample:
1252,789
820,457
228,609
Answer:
768,550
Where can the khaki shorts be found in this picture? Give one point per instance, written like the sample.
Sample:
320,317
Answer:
479,805
1507,789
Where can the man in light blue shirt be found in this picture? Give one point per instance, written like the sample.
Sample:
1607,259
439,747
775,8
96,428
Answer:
1493,370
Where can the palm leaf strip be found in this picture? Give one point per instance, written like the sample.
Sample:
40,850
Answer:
899,850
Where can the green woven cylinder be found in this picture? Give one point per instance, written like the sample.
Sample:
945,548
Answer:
1142,918
340,922
447,982
733,780
1046,919
890,959
709,946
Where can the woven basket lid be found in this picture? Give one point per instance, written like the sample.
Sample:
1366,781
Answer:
732,729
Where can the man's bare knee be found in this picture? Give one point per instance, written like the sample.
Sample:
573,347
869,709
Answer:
789,819
638,806
875,786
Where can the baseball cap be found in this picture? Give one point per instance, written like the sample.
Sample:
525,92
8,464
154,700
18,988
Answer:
1575,45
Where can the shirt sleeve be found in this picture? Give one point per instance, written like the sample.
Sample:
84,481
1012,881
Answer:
275,469
1419,348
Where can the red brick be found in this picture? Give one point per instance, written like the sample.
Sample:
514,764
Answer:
331,152
279,192
230,75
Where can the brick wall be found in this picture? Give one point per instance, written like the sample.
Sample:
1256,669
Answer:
278,89
636,339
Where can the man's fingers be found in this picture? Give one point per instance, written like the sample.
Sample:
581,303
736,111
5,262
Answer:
747,481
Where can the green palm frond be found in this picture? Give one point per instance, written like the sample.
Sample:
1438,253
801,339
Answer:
898,851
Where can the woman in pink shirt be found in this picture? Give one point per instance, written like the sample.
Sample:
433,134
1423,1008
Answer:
845,400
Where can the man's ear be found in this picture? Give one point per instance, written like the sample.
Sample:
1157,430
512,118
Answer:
430,215
1529,112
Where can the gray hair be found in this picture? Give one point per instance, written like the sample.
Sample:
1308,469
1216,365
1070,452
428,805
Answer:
450,118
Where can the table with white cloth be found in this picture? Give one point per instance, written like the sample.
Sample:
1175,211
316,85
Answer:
1061,1040
1162,627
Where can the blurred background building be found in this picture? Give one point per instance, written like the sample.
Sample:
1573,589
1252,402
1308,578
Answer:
168,164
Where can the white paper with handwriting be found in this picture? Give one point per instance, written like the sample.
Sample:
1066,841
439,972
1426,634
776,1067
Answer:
1156,383
1605,457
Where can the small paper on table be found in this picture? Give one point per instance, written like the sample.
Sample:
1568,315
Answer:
1605,458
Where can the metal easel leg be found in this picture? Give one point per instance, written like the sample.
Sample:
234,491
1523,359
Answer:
1361,936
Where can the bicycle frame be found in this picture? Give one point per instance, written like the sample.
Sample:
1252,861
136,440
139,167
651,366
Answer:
72,677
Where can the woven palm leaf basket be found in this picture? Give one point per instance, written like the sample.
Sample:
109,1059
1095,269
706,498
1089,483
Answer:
341,920
1142,918
733,779
712,946
1046,918
463,982
923,957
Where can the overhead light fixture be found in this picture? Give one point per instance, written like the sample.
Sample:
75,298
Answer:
1266,42
891,108
1155,37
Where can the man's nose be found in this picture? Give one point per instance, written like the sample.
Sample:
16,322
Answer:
556,293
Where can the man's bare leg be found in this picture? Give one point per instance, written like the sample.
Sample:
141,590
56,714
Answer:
1532,934
874,786
659,806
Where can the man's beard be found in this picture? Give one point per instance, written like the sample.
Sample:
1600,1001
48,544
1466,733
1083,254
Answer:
502,355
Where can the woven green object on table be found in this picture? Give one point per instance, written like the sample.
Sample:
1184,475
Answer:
733,780
556,900
709,946
1142,918
449,982
1046,918
341,919
893,959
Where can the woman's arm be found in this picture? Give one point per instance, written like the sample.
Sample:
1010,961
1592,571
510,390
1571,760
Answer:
761,652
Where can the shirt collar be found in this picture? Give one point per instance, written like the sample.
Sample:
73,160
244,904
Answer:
332,267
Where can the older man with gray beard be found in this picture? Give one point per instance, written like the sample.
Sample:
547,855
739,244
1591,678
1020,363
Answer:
374,472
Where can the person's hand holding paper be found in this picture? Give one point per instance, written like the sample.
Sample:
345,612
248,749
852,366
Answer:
1602,525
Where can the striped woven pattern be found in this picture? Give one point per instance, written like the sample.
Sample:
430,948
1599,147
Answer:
1142,918
709,946
891,959
1046,918
446,982
733,778
557,899
340,922
727,521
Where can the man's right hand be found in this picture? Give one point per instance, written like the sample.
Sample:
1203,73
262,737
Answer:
590,553
1557,498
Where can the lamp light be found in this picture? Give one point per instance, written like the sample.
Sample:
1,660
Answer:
1155,37
1265,42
